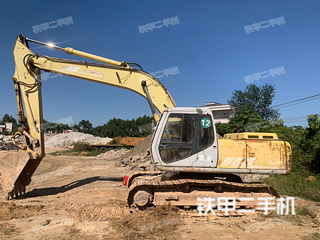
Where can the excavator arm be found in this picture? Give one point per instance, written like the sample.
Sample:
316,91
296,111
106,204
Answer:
17,168
109,72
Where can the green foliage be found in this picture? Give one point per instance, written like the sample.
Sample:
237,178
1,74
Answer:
114,142
255,99
82,147
54,127
119,127
4,132
244,121
312,236
7,118
295,184
75,128
85,125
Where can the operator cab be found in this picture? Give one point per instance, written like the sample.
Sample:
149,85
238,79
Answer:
185,137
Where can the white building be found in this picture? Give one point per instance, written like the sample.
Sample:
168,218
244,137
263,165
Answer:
221,112
8,126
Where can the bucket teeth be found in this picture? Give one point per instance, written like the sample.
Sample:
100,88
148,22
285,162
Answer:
19,189
11,195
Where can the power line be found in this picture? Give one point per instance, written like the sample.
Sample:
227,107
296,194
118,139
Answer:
296,100
295,117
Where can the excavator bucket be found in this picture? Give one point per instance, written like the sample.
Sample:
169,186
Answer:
16,169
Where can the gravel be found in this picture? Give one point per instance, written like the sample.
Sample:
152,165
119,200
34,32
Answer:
64,140
113,154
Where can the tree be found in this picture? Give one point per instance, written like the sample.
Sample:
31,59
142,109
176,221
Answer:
85,125
244,121
7,118
312,142
255,99
54,126
75,127
119,127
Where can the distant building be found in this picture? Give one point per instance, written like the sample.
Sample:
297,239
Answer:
221,112
67,131
2,128
8,126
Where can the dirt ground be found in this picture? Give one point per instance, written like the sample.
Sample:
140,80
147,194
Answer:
83,198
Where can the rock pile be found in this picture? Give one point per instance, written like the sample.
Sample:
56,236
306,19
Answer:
314,211
139,158
112,154
8,142
64,140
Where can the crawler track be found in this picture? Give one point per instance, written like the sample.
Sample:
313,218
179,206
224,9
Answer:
147,189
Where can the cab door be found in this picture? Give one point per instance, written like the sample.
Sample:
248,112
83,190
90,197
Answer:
178,144
207,142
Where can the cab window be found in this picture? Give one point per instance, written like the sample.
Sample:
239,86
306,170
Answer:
178,138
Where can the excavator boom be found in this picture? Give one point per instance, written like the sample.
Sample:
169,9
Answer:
16,169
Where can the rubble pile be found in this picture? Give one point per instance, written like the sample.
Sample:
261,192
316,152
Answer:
9,142
64,140
112,154
139,157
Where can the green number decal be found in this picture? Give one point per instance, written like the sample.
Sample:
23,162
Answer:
205,122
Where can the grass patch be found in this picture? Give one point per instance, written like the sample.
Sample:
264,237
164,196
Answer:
80,147
296,185
313,236
72,152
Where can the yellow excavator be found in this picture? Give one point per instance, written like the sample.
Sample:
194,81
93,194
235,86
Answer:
189,161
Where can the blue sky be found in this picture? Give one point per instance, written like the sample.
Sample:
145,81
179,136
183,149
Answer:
209,46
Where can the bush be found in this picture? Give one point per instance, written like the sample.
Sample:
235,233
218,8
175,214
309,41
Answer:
4,132
82,147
